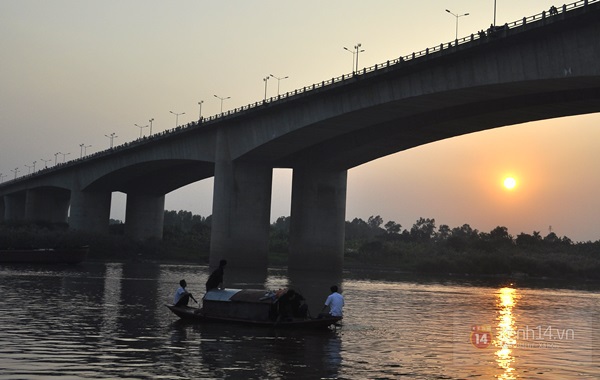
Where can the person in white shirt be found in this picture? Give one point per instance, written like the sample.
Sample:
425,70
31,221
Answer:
182,296
335,302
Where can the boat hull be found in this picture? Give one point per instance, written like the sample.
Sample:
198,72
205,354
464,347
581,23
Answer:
44,256
197,315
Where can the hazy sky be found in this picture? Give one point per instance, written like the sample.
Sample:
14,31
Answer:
73,71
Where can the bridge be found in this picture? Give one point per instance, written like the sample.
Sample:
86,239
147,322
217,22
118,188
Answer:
541,67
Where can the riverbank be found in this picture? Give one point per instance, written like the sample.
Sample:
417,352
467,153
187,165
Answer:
575,262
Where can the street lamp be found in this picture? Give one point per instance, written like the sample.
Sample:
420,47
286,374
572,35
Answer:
266,80
229,97
112,136
45,162
151,120
177,117
2,176
200,110
82,149
355,52
29,167
56,157
65,155
141,127
494,12
16,170
279,80
34,162
456,16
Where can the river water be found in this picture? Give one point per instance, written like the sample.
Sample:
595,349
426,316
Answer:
108,320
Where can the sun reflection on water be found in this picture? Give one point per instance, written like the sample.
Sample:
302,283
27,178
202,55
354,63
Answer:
506,332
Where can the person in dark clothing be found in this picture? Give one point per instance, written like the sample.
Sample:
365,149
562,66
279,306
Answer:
291,304
216,278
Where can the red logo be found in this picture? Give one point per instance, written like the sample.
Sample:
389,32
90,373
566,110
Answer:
481,336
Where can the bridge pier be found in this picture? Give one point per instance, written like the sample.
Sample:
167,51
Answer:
90,211
14,207
241,214
317,225
144,216
47,205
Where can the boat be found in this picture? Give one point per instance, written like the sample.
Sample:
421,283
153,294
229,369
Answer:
247,306
44,255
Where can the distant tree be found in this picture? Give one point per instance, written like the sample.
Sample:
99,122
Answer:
500,234
552,238
358,229
392,228
375,221
526,240
423,229
443,233
282,224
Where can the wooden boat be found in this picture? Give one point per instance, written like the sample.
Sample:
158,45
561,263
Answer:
248,306
44,255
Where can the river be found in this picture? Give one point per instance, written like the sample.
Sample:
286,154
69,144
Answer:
108,320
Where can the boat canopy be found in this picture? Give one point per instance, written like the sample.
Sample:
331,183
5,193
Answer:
239,295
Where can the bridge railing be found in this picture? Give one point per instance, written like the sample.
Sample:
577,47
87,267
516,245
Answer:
415,55
492,31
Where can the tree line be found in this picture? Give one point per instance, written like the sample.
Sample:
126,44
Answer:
421,248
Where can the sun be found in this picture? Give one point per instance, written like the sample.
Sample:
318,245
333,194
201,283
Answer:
510,183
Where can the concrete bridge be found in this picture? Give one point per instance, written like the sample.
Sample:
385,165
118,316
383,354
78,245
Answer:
540,67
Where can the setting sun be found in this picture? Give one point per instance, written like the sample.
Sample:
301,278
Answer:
510,183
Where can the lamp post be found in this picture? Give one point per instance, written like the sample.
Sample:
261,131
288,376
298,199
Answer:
65,155
457,17
357,50
83,150
151,120
16,170
141,127
111,137
494,12
56,158
280,79
45,162
200,110
266,80
177,117
218,97
2,176
29,167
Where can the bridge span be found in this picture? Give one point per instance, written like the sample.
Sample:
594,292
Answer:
541,67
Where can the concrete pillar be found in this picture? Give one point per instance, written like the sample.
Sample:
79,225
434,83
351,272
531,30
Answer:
144,216
47,204
241,214
317,225
1,209
241,210
14,207
90,211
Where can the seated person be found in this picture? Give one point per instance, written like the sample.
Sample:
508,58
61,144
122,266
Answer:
335,302
182,296
291,304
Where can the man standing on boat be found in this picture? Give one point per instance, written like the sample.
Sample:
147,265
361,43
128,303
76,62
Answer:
335,301
182,296
216,278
